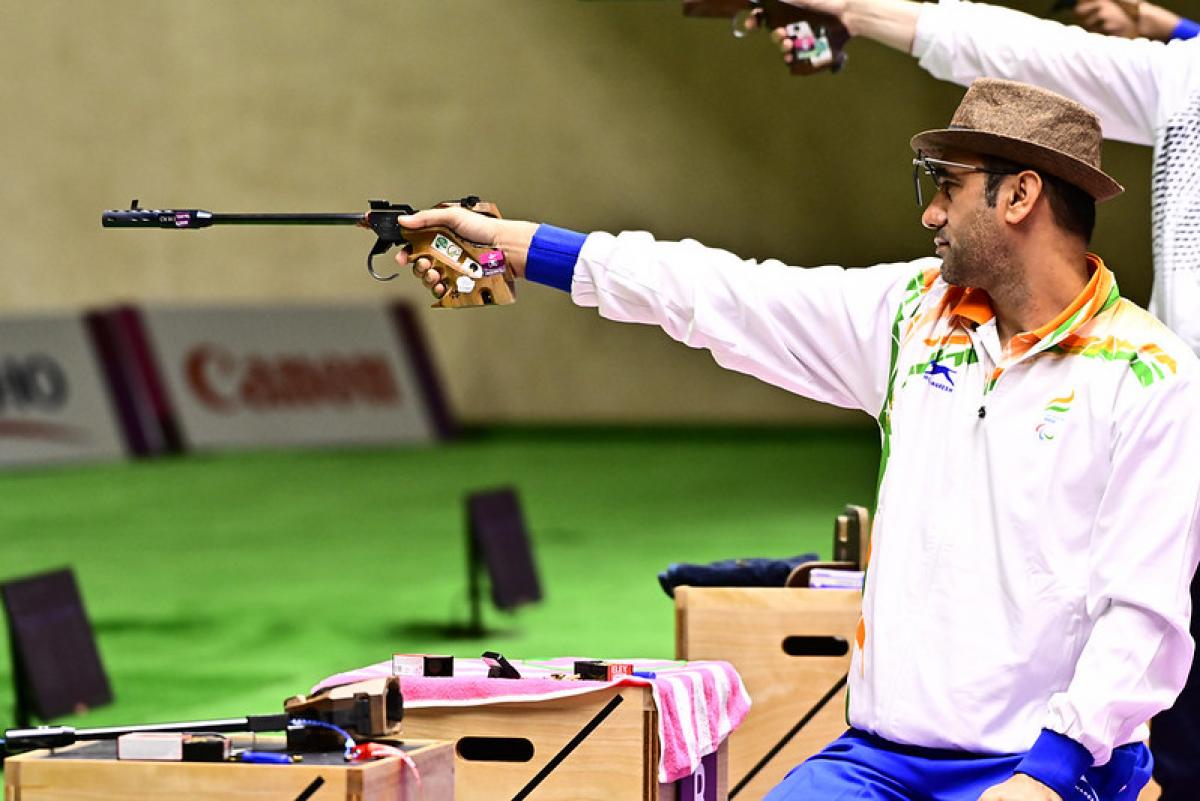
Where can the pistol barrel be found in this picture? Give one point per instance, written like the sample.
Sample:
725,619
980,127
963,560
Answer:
199,218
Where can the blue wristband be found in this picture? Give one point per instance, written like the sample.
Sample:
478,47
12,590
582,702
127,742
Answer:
1186,29
552,256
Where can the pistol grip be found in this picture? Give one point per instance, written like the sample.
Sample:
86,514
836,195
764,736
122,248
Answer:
468,282
817,41
810,66
368,708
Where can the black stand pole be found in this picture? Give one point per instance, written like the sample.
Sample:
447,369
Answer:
474,588
22,706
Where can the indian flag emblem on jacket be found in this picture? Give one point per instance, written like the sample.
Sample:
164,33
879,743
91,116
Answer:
1054,413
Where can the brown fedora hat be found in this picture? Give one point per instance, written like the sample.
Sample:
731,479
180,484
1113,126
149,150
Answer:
1029,126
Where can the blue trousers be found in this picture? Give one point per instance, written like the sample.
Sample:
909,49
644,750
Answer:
862,767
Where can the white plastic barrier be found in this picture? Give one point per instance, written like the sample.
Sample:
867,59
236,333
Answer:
270,376
54,405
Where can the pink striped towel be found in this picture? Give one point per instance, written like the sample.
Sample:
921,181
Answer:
699,703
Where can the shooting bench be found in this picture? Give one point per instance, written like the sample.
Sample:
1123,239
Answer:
560,739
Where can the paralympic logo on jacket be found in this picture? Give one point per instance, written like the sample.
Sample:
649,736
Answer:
1054,413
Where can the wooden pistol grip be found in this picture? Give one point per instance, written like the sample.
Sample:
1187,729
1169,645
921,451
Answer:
826,39
459,262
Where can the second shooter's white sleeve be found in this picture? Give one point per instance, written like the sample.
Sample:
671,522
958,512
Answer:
1132,84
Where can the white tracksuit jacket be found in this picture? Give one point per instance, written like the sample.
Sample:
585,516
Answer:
1037,521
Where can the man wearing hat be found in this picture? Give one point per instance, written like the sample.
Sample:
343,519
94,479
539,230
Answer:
1145,92
1026,607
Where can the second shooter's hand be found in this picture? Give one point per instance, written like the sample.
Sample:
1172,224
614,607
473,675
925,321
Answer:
512,237
890,22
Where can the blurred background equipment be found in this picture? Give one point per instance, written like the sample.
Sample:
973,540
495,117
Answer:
56,665
498,544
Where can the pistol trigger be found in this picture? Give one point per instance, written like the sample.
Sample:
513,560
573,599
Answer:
381,246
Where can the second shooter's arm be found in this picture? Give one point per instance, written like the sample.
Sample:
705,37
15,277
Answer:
817,40
476,273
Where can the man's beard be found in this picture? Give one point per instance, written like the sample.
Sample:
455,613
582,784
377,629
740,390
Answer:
977,256
961,269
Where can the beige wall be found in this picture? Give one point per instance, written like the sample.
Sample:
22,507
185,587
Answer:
593,114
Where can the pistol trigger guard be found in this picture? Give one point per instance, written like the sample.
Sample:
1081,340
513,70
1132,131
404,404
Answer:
381,246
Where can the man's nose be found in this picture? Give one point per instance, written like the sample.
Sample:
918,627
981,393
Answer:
934,216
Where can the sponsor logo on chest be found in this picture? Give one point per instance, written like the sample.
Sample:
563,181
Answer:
939,376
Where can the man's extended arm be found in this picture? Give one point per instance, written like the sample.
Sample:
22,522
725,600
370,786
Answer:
825,333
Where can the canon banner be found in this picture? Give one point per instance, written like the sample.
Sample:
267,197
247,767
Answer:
256,376
54,406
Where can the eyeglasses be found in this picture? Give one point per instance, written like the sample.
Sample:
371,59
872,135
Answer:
935,170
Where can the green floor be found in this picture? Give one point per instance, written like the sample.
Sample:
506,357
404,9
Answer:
218,585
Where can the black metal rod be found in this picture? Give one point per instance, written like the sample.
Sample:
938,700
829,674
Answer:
185,219
16,740
787,738
253,723
289,219
582,735
474,592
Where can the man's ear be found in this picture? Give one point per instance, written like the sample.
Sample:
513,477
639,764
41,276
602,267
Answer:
1021,196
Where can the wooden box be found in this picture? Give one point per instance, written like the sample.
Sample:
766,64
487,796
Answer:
500,747
91,772
747,627
753,628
